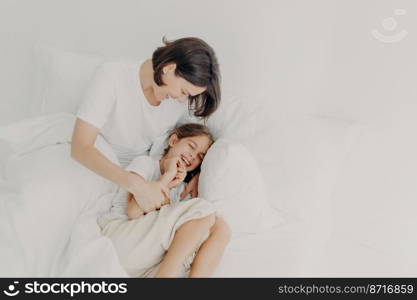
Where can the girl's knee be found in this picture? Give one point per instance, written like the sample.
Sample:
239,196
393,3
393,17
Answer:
204,223
221,229
209,220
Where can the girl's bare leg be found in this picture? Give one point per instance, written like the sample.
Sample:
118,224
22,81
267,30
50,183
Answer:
211,251
186,240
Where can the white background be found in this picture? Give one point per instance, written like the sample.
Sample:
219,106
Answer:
310,55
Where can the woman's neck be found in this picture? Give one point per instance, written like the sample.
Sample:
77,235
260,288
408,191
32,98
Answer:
147,82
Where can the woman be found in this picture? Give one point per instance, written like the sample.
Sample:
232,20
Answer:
130,104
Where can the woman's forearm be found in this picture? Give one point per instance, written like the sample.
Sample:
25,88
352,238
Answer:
93,159
84,151
151,195
165,178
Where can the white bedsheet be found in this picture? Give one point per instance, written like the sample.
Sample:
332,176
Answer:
273,253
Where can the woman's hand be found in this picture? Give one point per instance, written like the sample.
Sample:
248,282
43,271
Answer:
149,195
172,164
191,188
134,211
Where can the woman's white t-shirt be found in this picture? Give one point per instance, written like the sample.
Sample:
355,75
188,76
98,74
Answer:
115,104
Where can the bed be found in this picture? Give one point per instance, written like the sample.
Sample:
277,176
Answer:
306,162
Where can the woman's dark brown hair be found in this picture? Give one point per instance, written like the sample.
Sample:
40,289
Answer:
190,130
197,63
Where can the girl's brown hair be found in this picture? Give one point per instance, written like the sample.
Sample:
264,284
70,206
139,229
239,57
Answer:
190,130
197,63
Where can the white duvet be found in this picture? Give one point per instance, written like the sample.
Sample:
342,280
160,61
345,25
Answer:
42,186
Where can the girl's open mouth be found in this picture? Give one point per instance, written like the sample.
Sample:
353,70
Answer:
187,163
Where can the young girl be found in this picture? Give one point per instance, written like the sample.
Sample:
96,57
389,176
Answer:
164,242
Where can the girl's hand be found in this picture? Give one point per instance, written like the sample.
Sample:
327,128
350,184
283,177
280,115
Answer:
191,188
156,195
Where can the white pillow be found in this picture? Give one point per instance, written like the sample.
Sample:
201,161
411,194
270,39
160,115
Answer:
299,155
231,180
238,118
61,78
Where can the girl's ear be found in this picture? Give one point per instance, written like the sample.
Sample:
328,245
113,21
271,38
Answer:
172,140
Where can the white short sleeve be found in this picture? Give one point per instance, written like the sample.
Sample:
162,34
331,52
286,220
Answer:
145,166
100,98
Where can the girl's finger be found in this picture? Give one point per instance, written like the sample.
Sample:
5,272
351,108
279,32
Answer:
165,192
186,191
194,193
180,163
181,174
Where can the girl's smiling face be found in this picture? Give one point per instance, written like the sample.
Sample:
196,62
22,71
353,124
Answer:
191,150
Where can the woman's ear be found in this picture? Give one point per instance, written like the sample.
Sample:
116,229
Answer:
172,140
169,68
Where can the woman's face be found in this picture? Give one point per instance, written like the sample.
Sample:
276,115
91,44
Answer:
191,150
175,87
